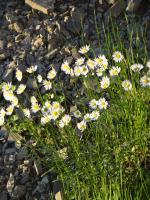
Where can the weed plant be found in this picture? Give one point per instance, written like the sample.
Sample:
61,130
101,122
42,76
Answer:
107,156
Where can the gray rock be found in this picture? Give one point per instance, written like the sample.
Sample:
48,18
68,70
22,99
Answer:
11,159
52,44
3,196
19,38
74,26
19,191
57,190
92,3
51,54
30,59
69,59
10,150
22,153
111,1
133,5
3,134
10,183
44,6
32,83
8,74
75,53
18,27
100,2
24,179
1,44
4,55
27,42
10,17
41,187
115,10
10,143
44,180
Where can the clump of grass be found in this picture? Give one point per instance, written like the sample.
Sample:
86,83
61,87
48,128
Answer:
91,124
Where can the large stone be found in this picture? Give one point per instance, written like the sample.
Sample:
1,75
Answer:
22,154
115,10
44,6
3,195
10,183
8,75
52,54
38,42
18,27
1,44
19,191
57,190
4,55
133,5
3,134
111,1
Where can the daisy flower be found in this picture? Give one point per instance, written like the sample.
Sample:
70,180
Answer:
32,69
18,75
84,49
137,67
65,68
72,73
21,89
9,110
80,61
48,108
102,103
51,74
93,104
52,96
78,70
91,64
117,56
35,107
2,120
8,95
55,114
47,104
85,70
56,105
26,112
102,62
39,78
99,72
95,115
33,100
105,82
2,112
77,114
45,119
81,125
64,121
87,117
114,71
47,85
6,87
15,101
126,84
145,81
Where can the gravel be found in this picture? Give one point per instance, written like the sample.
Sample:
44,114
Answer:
20,177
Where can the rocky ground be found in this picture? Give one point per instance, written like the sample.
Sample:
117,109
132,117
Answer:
30,37
22,177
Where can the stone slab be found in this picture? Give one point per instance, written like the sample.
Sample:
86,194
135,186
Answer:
45,6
